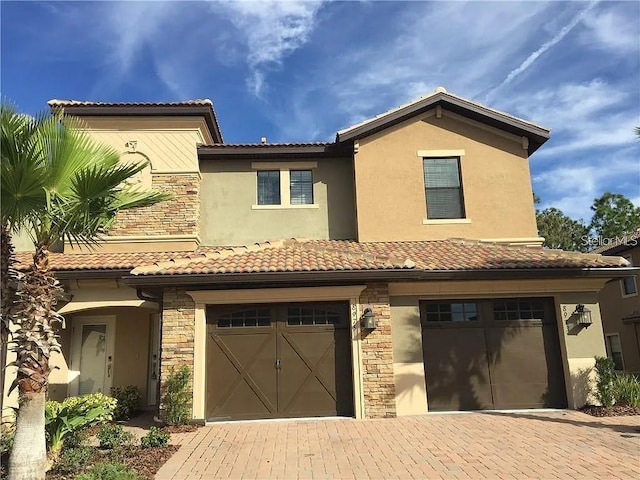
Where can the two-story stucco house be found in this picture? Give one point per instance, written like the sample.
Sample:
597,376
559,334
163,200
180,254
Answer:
620,306
396,270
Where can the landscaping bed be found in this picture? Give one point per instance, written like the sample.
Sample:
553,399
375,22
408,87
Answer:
189,427
614,411
145,461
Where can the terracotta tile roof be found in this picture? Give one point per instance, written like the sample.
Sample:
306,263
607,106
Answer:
67,103
297,255
188,107
267,145
440,91
105,261
629,240
334,255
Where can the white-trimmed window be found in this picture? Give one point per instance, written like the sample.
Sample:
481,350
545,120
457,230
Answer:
301,187
628,284
443,188
269,187
614,350
282,185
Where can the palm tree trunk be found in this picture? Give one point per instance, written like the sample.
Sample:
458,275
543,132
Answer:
29,454
34,341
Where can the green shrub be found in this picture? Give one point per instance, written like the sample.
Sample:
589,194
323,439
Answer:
114,437
76,439
155,438
74,414
177,399
73,460
605,382
128,398
7,432
626,388
110,471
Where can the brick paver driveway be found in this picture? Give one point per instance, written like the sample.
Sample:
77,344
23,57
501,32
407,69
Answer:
562,444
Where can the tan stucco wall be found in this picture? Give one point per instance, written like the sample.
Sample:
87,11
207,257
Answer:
615,307
578,346
495,180
229,190
408,367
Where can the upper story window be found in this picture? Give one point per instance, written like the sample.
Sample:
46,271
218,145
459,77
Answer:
269,187
629,286
285,185
301,187
443,188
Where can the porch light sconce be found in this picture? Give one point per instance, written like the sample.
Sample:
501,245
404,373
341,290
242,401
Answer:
583,315
368,319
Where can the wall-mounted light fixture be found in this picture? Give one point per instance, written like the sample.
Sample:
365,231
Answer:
583,315
368,319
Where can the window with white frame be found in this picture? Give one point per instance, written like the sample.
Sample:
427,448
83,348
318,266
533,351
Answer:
629,286
283,185
443,188
614,350
301,187
269,187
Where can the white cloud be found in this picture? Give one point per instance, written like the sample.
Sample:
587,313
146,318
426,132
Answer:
584,115
613,30
572,186
558,37
271,29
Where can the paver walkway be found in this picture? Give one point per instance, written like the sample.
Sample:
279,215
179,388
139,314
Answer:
547,445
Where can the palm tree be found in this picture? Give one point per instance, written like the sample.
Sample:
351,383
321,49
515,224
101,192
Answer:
57,184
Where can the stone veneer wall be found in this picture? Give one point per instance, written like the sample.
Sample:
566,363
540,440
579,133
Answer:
178,331
178,216
377,355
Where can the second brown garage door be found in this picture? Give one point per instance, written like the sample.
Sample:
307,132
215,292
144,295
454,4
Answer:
492,354
274,361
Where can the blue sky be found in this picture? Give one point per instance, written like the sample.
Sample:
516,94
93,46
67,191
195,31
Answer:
300,71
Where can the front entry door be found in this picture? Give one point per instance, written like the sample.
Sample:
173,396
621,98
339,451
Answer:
91,369
274,361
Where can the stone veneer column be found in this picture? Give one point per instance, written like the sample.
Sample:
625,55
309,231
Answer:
377,355
178,330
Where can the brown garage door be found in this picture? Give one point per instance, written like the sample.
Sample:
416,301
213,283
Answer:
273,361
484,354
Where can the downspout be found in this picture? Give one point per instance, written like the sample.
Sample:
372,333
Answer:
156,299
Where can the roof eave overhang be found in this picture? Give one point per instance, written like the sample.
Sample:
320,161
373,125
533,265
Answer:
537,136
284,152
364,275
204,111
617,249
91,274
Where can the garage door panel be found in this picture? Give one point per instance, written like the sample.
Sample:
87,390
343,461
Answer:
302,386
517,339
269,361
456,369
240,375
524,366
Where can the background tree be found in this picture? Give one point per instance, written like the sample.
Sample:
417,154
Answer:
560,231
614,215
57,184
